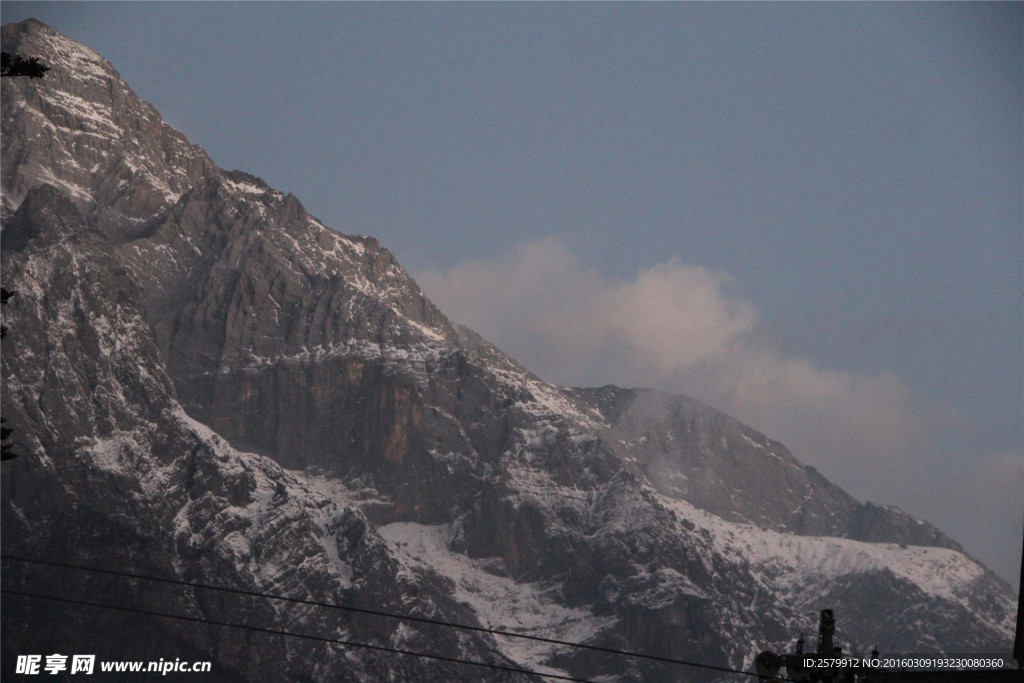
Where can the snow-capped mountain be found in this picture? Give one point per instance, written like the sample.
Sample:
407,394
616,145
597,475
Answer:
208,385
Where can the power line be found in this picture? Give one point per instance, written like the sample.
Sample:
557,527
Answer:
271,631
361,610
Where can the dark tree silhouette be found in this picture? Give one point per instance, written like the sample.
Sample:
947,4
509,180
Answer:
16,65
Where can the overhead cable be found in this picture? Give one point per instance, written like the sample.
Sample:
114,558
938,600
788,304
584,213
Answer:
380,613
278,632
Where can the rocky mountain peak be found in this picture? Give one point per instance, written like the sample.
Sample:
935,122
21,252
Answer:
86,132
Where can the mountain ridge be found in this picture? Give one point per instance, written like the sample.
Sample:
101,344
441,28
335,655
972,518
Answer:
285,364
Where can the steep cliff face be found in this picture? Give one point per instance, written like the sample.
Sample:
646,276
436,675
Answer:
207,384
114,474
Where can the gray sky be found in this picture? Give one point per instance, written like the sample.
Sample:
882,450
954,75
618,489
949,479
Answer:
807,214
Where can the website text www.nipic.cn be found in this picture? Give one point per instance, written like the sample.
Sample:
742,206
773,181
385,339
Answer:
28,665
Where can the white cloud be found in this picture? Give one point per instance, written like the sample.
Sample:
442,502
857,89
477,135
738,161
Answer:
568,324
673,316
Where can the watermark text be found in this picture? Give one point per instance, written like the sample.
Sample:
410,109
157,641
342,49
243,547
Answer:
32,665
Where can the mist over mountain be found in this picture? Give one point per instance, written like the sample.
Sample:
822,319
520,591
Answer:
207,385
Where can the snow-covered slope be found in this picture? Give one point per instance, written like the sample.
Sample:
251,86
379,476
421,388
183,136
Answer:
207,384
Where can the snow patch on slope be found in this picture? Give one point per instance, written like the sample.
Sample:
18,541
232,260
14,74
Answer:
245,187
497,600
789,564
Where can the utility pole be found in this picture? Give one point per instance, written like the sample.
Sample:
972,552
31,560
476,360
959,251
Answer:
826,630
